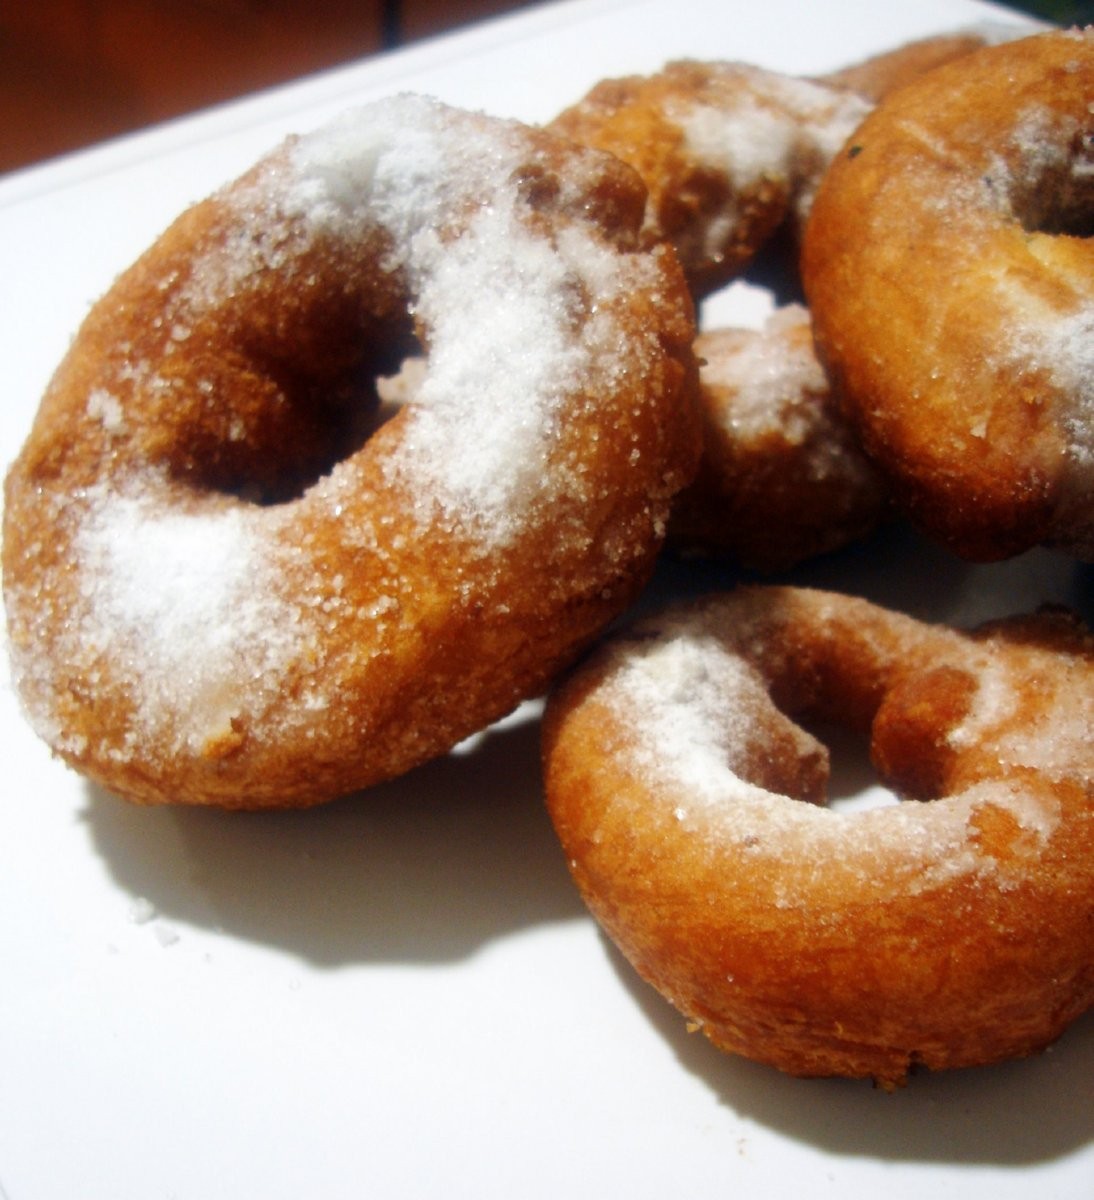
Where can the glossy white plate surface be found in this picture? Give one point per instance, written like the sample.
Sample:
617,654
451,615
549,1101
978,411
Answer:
400,995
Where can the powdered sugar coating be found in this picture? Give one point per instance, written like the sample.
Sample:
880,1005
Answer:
676,690
501,306
494,303
946,931
772,387
962,212
696,682
768,127
783,477
1061,346
187,604
246,586
728,150
1044,174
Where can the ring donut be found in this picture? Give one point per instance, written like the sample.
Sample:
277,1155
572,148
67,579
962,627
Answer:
782,477
949,268
689,803
221,589
728,150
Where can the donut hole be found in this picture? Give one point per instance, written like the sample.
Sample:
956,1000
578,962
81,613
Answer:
853,781
905,754
1059,199
886,740
1068,213
287,428
812,739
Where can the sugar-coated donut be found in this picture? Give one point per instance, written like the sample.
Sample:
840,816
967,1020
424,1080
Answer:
949,268
782,477
220,589
948,933
728,151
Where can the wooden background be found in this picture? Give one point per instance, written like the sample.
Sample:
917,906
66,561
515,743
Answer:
73,72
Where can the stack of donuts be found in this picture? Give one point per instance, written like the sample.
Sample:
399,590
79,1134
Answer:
380,439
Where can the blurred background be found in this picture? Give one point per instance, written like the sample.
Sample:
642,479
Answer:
74,72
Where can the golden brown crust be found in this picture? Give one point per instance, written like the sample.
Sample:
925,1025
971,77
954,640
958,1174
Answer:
949,271
782,478
217,594
730,150
726,150
945,934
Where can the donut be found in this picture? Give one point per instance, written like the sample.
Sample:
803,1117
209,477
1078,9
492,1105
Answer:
228,582
949,268
782,477
950,930
728,151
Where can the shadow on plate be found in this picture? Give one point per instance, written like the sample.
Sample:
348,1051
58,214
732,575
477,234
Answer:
428,868
1019,1113
434,866
902,569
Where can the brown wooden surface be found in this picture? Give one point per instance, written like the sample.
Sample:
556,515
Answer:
74,72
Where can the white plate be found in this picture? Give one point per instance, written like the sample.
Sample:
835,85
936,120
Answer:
400,994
